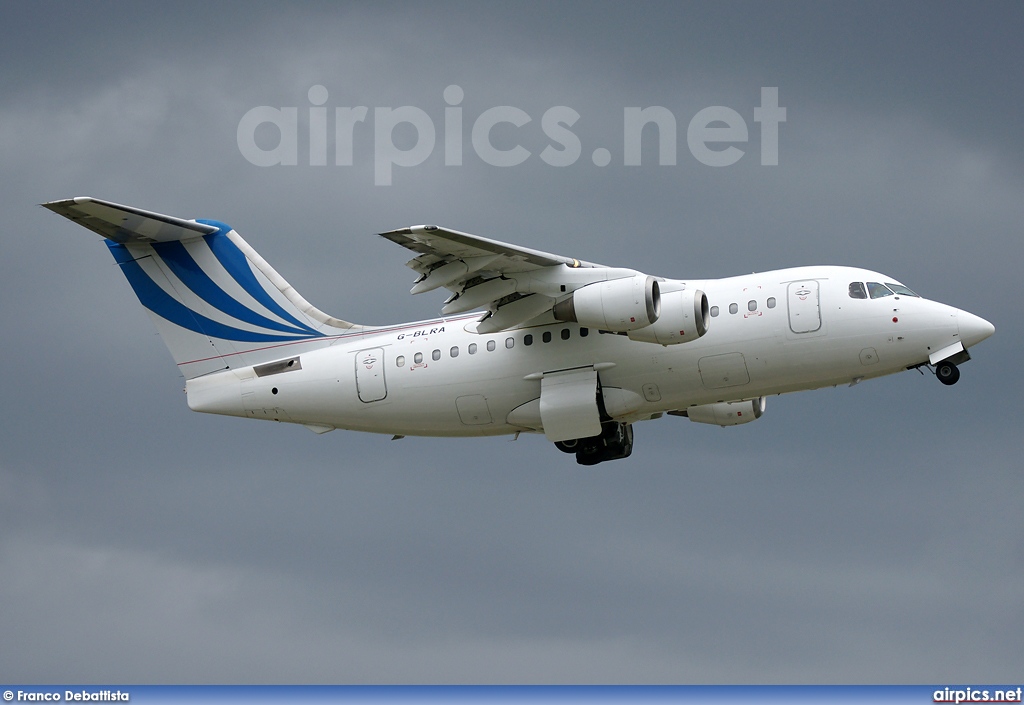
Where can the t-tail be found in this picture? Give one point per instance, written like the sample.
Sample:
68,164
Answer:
216,303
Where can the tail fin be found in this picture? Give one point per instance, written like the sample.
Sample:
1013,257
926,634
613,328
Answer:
216,303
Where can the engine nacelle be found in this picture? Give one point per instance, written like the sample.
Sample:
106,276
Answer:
618,305
684,317
728,413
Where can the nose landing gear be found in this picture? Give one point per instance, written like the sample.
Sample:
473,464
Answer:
947,372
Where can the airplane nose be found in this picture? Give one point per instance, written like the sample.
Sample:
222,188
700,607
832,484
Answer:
973,329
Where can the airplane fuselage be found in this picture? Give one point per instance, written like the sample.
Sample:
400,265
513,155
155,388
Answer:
770,333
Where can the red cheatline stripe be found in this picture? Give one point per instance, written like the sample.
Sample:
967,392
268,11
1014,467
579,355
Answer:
356,334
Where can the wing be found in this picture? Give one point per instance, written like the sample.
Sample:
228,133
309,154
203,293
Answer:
514,284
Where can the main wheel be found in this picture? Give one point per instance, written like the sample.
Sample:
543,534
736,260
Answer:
947,372
591,452
570,446
627,449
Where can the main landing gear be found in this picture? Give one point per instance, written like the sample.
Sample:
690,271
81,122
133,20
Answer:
947,372
614,442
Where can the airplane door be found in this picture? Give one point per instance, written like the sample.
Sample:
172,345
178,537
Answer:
370,375
804,307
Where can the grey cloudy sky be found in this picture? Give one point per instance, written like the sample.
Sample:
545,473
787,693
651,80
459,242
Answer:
872,534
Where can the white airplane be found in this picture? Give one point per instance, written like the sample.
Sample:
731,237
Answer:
574,350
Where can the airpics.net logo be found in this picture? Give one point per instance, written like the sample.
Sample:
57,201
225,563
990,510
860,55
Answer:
715,135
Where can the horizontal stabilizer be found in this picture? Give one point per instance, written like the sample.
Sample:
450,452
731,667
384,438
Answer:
125,224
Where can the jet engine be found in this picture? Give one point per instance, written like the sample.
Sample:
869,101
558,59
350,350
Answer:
619,305
727,413
684,317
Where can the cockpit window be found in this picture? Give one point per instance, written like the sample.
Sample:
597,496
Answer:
900,289
857,290
877,290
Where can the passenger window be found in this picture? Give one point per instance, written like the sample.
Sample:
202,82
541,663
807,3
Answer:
565,334
584,332
509,342
877,290
771,302
857,290
454,352
751,305
400,361
733,308
490,346
417,358
547,336
714,312
436,355
527,339
472,348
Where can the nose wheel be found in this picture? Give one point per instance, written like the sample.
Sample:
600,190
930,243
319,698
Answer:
947,372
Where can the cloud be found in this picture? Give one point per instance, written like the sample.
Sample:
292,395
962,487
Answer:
843,537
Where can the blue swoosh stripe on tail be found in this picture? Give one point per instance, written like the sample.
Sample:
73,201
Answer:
162,304
237,266
192,275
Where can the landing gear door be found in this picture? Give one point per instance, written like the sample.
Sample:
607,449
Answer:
568,404
370,375
804,307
